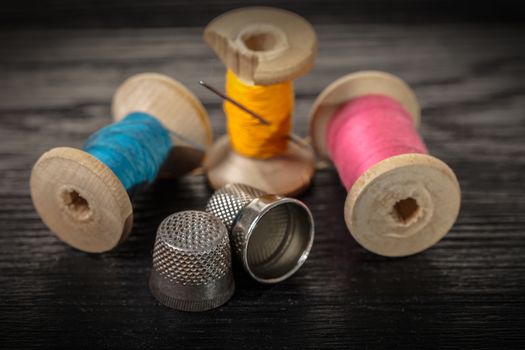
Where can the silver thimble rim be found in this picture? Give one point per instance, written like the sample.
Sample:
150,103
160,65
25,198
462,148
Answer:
253,213
191,298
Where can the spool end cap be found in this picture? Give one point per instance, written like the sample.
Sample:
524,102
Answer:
81,200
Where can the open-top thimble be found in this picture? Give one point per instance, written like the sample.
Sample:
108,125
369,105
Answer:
192,262
272,235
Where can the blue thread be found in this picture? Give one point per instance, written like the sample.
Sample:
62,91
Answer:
134,148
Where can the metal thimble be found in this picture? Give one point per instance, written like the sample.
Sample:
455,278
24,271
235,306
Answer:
272,235
192,262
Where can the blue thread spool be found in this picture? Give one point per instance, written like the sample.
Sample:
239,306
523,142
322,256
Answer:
134,148
82,195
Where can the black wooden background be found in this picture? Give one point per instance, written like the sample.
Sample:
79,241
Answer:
60,62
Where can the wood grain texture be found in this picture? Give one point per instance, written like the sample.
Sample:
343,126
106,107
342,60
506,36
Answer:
467,291
162,13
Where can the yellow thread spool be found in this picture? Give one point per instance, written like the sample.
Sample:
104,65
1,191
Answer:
274,103
264,49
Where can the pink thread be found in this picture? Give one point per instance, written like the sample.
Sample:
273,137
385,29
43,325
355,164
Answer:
367,130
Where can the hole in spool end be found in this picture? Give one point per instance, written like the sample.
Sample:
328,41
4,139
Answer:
76,205
260,41
406,211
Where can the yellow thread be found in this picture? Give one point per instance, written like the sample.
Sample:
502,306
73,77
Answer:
274,103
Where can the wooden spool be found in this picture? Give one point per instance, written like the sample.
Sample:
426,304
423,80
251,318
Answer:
81,200
403,204
262,46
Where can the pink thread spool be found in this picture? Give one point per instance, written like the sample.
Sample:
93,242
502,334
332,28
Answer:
400,199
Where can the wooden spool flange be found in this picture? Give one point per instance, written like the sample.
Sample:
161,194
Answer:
262,46
177,109
403,204
80,199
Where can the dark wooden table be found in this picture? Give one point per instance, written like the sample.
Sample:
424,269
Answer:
467,291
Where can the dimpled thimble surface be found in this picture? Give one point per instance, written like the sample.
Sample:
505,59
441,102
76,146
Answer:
272,235
192,262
